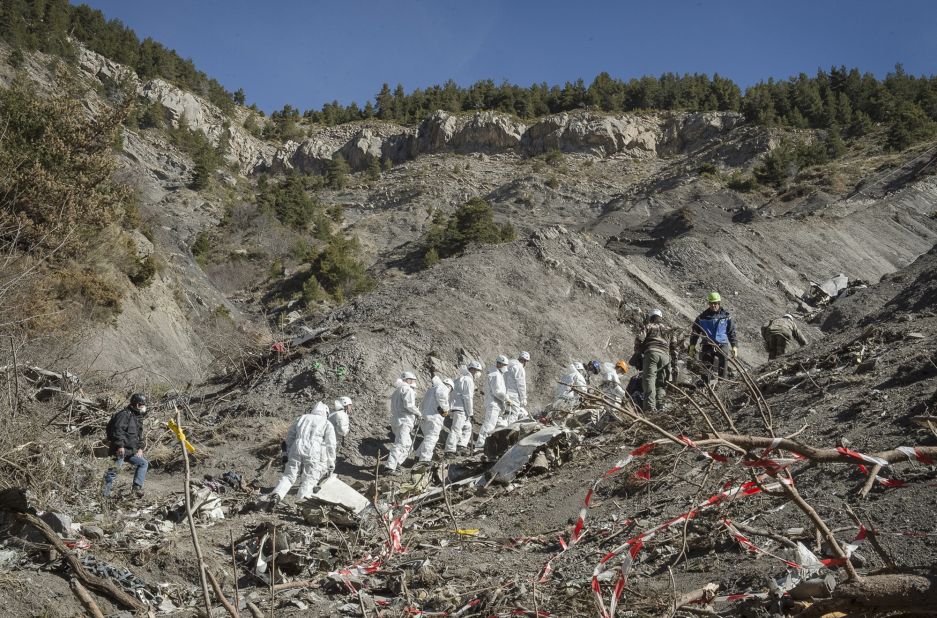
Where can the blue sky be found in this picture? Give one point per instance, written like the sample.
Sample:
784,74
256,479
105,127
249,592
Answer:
306,53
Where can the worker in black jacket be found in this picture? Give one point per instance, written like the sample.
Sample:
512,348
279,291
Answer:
125,440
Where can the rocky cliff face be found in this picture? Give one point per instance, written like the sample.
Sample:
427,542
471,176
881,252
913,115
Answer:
632,135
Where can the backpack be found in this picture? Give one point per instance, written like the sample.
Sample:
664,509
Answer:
111,428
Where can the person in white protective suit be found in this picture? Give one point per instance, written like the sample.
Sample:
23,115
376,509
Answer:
496,400
435,409
339,417
403,415
611,380
515,381
310,450
462,406
574,376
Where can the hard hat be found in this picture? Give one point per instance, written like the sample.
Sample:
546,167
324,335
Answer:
578,366
623,366
344,401
714,297
475,365
407,375
655,313
501,360
788,316
525,356
138,399
321,409
448,382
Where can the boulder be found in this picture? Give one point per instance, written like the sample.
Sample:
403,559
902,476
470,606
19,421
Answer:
361,149
488,132
435,133
59,522
593,133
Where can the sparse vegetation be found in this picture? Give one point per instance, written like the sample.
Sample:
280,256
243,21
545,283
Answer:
206,157
291,203
337,269
471,223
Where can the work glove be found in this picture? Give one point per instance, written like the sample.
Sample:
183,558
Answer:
735,352
692,351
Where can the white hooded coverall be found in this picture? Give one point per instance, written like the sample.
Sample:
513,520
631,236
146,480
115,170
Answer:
310,446
515,383
571,378
403,414
611,382
495,402
462,404
435,405
339,420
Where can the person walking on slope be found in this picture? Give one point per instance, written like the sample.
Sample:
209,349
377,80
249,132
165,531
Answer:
310,445
714,326
780,332
657,344
403,415
339,417
124,435
515,381
462,406
435,409
496,400
574,377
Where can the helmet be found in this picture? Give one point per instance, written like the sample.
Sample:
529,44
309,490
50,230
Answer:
623,366
138,399
788,316
524,356
407,375
448,382
655,313
320,409
714,297
343,402
501,360
594,366
475,365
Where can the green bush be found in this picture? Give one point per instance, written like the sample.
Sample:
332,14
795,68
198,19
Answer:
336,174
472,222
553,157
207,158
708,169
908,126
777,166
202,246
57,189
292,205
144,273
741,183
338,269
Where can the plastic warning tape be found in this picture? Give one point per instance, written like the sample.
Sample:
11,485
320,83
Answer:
636,543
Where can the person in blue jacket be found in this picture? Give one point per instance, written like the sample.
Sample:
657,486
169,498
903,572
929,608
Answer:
715,331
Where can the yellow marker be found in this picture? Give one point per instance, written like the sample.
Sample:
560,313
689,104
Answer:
467,531
176,429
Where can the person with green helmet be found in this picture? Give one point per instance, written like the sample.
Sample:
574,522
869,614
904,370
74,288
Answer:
714,326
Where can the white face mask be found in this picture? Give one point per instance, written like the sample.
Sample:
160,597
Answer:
503,369
141,409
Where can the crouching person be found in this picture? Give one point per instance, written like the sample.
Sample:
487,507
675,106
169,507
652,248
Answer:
125,441
310,451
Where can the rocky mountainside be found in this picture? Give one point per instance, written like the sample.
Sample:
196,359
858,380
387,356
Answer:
614,215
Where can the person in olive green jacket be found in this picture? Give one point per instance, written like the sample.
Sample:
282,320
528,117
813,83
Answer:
657,344
779,332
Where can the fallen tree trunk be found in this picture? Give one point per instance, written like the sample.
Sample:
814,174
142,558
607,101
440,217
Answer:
880,593
98,584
